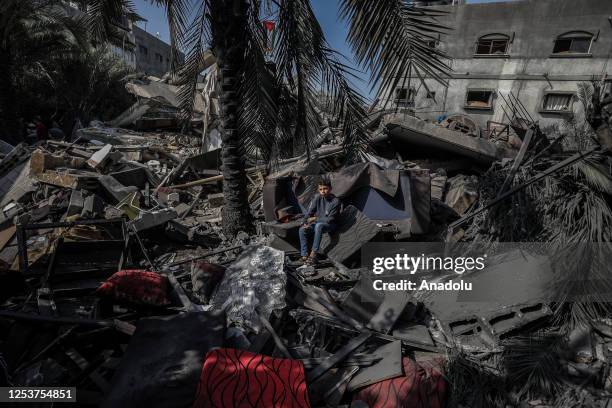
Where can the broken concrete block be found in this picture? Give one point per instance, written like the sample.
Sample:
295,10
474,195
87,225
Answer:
462,192
117,190
93,206
70,178
438,186
181,208
42,161
215,200
154,166
112,212
187,231
11,210
148,220
98,158
173,199
76,203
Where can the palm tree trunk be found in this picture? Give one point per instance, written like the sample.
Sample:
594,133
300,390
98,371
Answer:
228,25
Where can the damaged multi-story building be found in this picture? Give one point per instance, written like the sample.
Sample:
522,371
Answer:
538,50
153,55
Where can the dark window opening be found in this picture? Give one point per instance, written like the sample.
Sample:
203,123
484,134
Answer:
159,57
557,102
575,45
492,47
479,99
431,95
143,50
404,96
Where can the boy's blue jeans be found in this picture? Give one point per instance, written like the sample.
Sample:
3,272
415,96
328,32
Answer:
318,228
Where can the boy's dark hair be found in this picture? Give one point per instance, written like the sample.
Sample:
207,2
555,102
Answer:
324,182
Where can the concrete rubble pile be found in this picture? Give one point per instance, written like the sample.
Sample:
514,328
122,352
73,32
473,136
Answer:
117,278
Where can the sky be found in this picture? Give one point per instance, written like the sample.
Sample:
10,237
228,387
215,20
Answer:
325,10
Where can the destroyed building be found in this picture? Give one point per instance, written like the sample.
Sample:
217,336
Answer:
119,278
153,55
124,46
540,50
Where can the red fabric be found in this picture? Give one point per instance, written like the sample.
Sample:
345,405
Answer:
136,286
269,25
237,378
41,131
420,387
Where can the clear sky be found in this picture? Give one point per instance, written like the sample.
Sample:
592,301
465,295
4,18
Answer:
325,10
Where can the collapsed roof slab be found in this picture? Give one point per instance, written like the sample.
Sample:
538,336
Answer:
408,129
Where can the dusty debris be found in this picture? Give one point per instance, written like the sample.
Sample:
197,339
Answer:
115,240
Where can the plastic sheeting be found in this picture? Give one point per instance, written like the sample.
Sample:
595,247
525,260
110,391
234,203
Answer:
256,279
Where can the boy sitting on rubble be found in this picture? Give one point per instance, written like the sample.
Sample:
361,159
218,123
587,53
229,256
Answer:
321,217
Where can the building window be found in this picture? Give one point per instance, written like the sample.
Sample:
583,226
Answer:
493,45
159,58
557,102
479,99
405,96
578,42
143,50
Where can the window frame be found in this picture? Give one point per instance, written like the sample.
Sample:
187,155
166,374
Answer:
491,99
408,102
572,35
569,109
493,37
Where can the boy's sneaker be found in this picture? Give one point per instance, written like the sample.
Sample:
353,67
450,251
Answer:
312,260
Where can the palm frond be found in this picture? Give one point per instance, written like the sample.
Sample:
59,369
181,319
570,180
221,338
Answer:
533,364
393,38
308,64
196,40
585,95
104,17
473,383
177,13
257,90
595,175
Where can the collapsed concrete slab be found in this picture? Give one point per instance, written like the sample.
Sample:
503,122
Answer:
412,130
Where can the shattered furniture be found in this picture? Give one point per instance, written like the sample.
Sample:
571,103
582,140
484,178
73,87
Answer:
399,199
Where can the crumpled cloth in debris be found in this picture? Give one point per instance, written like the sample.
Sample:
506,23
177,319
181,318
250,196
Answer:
420,387
256,279
237,378
137,286
205,277
462,192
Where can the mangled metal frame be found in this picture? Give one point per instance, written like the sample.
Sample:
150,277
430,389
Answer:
22,238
